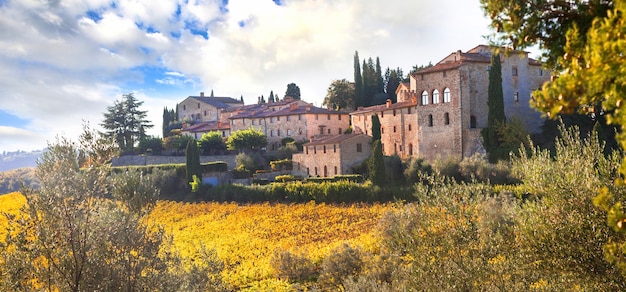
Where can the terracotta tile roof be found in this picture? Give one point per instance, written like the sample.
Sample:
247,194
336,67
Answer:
334,139
218,101
207,127
382,107
263,112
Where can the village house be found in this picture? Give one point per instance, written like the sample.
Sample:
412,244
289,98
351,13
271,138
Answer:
444,107
202,114
295,119
332,155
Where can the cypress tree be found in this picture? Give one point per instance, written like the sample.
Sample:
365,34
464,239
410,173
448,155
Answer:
166,121
192,159
376,165
358,82
380,85
375,127
495,102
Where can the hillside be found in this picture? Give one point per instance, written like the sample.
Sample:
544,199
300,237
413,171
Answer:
12,180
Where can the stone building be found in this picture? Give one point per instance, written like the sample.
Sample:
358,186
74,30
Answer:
204,108
444,108
293,118
332,155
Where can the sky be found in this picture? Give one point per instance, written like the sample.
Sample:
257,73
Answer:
63,62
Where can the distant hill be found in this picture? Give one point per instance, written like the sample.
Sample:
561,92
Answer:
11,180
18,159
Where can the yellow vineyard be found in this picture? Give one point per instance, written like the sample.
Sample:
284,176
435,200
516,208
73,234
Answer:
245,237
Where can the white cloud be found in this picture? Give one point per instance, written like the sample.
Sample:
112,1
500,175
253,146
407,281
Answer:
60,66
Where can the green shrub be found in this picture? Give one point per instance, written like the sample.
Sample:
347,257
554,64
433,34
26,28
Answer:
288,178
343,262
292,267
278,165
415,169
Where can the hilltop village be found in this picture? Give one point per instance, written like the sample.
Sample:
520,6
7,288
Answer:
439,113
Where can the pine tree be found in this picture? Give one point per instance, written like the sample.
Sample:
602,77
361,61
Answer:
124,122
358,82
495,102
376,165
212,93
241,98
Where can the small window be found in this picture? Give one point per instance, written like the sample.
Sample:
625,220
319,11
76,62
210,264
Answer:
271,119
325,171
272,133
308,171
300,131
339,117
488,68
198,105
435,96
314,149
473,122
278,132
328,131
324,148
409,110
422,76
328,117
445,73
410,149
514,70
335,148
223,133
278,118
394,112
288,132
184,107
540,72
382,114
205,113
446,118
394,129
316,170
359,147
339,131
409,127
253,121
516,96
288,118
425,97
299,117
307,150
382,130
430,120
446,95
335,170
317,117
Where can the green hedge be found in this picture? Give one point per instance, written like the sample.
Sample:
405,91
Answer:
284,164
217,166
299,192
357,178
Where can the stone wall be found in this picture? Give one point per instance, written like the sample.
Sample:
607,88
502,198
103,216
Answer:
154,160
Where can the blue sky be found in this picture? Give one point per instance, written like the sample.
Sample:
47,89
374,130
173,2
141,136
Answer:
63,62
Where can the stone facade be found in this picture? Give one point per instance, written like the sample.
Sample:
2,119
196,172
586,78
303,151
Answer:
296,119
444,108
328,156
204,108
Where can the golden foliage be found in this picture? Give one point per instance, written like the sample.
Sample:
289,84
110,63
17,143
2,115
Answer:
246,236
9,204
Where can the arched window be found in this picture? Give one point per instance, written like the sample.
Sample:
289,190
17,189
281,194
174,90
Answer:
430,120
435,96
425,97
446,118
446,95
472,122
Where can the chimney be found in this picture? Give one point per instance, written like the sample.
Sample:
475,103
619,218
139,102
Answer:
308,108
201,93
388,103
458,55
293,106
